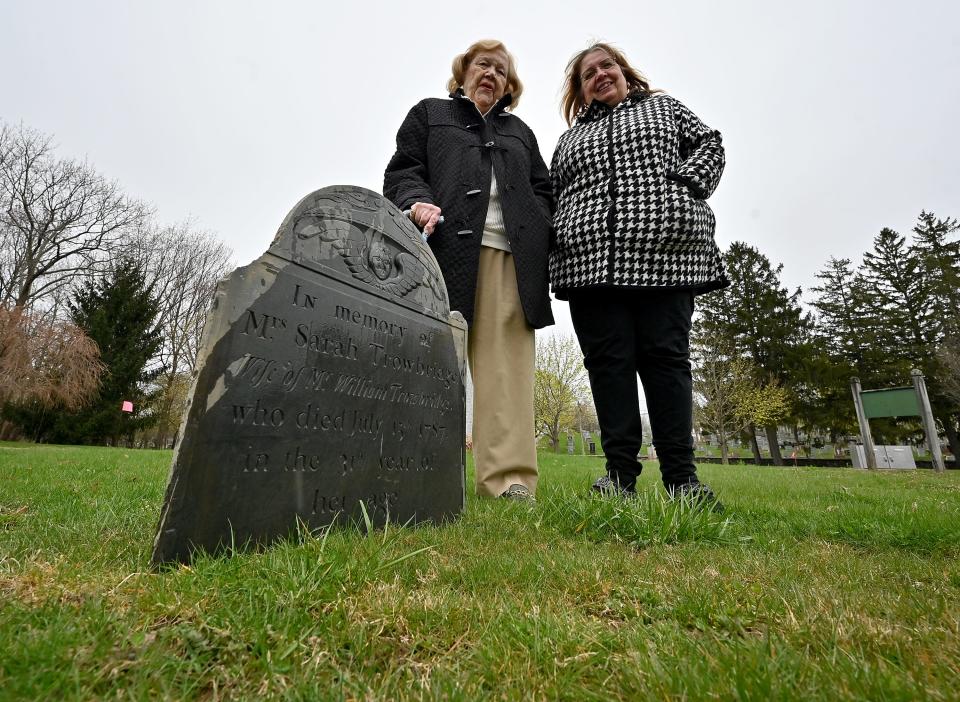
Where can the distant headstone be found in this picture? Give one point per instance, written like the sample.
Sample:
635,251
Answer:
593,448
330,374
895,457
899,457
570,445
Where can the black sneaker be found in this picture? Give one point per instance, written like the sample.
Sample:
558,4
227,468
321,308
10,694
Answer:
607,487
698,495
518,492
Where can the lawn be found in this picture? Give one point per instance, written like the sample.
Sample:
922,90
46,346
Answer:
815,584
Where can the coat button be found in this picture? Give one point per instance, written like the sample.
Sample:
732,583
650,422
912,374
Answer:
475,191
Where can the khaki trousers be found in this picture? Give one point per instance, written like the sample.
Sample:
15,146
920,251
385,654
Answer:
500,348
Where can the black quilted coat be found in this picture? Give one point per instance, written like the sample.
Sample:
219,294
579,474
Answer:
445,150
631,184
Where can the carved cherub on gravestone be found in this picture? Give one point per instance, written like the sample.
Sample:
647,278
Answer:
330,374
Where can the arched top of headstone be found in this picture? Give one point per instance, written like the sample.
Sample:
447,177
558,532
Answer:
328,384
362,238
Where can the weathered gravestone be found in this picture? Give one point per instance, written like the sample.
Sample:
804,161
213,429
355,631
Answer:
330,374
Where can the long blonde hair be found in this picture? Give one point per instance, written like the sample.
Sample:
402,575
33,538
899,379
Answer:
572,101
462,61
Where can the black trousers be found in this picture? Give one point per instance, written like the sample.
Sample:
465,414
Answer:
623,333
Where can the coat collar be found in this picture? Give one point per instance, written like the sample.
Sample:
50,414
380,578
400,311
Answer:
598,110
498,109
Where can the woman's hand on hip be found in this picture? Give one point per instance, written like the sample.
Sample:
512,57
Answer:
425,216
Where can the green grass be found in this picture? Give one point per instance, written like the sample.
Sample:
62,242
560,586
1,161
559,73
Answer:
815,584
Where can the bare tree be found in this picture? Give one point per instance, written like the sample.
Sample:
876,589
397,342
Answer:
560,385
45,361
729,394
169,406
718,377
586,421
58,217
183,266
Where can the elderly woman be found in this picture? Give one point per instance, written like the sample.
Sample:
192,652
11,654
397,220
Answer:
471,161
634,245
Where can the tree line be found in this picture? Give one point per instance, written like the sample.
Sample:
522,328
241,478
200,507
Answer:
100,303
765,357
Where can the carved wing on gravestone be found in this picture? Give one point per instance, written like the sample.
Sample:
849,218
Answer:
358,233
370,260
418,272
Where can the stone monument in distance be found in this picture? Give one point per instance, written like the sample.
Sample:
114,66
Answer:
330,374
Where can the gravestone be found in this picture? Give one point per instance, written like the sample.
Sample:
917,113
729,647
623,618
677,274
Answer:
570,445
894,457
330,375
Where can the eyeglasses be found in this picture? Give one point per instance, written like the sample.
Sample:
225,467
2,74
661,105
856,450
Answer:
590,73
484,63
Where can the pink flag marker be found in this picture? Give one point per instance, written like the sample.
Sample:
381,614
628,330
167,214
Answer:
127,406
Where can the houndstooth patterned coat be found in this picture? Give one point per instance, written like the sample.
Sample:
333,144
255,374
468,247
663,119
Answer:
631,184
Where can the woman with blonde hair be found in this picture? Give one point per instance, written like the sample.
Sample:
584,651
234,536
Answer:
634,246
471,176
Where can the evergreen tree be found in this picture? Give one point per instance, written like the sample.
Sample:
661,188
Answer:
938,259
839,303
844,346
897,300
910,301
118,312
939,262
762,319
828,403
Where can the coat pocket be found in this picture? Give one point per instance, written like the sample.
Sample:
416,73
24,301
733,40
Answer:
688,220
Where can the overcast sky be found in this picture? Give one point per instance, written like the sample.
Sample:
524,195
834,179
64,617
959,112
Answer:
838,117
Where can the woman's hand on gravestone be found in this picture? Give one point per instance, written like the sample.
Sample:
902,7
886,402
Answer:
425,216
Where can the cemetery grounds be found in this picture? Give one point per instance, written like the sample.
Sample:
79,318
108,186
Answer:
816,583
